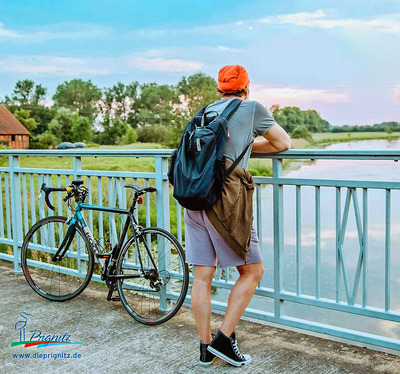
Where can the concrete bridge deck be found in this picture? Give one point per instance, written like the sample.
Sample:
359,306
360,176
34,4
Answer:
114,343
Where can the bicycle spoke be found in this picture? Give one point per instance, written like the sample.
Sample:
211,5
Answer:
154,302
58,280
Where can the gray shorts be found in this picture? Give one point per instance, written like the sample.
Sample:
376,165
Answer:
204,245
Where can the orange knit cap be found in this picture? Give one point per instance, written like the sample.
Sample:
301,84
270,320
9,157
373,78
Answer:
232,78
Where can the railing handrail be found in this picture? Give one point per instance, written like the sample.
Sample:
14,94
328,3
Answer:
381,154
88,152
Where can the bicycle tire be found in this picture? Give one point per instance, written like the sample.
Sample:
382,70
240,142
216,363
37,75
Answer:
34,258
174,289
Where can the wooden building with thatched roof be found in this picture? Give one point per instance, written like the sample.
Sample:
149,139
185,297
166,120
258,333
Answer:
12,132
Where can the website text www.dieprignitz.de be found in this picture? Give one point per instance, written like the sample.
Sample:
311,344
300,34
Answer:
47,356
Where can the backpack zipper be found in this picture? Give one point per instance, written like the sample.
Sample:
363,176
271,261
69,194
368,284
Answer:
198,144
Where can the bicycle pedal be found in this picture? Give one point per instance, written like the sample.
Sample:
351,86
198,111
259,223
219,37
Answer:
115,298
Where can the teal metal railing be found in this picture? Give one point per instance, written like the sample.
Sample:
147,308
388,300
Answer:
273,300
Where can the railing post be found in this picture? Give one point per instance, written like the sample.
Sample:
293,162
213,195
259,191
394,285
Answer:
278,236
77,166
163,220
16,210
162,186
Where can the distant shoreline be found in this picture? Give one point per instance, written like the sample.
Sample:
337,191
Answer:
258,167
324,142
350,137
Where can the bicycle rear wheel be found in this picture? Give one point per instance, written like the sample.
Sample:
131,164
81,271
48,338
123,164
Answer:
60,280
158,294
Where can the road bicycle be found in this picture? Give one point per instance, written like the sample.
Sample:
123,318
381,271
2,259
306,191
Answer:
148,269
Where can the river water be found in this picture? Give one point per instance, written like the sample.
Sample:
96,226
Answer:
385,170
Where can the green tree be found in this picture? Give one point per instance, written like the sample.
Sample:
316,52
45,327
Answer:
78,95
130,136
27,92
155,134
155,105
388,130
197,91
194,92
301,131
112,131
82,130
292,117
43,141
41,114
119,101
23,116
70,127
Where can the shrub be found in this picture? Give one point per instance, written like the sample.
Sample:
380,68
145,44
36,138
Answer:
301,132
43,141
130,136
153,134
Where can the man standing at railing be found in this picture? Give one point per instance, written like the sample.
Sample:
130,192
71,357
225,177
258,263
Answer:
220,234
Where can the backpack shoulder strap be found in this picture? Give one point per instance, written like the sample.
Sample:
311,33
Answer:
231,108
201,111
236,162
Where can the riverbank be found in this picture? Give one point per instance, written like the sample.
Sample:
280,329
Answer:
335,137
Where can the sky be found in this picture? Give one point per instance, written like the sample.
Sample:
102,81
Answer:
341,58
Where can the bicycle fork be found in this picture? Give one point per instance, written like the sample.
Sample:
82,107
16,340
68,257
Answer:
69,236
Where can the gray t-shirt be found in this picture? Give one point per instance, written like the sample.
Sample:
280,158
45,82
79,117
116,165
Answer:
250,120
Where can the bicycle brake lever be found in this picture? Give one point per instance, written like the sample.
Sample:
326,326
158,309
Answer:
40,195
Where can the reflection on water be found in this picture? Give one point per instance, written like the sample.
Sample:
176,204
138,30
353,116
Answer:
385,170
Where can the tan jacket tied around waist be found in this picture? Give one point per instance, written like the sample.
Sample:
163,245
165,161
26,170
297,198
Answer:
232,214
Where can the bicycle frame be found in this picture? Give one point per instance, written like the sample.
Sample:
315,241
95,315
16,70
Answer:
78,219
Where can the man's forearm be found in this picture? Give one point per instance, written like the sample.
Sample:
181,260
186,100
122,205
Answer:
264,146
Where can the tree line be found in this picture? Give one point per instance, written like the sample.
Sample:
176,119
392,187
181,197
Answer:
125,113
388,127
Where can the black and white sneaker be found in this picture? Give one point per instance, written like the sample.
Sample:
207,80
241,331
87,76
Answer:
206,357
225,347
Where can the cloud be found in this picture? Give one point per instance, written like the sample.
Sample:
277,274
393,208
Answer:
228,49
166,65
70,66
75,66
7,33
56,31
318,19
288,96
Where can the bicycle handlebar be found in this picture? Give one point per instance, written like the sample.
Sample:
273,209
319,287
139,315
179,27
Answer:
72,189
47,191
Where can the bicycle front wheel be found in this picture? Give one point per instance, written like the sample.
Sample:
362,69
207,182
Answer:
161,276
56,280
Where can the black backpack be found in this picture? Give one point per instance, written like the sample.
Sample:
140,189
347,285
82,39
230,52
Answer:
197,169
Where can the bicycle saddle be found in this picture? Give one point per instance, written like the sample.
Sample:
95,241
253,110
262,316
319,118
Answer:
77,183
140,189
